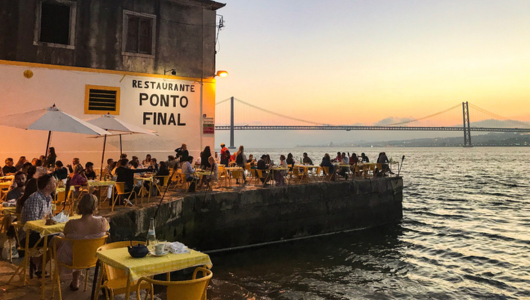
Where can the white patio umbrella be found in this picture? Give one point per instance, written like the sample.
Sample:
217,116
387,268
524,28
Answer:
116,127
51,119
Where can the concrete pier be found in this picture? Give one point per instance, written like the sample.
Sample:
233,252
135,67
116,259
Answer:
242,217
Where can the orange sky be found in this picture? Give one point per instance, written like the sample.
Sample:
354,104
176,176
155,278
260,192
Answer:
347,61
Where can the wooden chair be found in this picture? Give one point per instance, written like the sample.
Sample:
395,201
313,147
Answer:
165,181
194,289
114,281
83,258
224,176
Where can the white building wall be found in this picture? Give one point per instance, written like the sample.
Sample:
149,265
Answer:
65,87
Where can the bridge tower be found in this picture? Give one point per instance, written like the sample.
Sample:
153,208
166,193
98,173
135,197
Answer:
231,123
467,128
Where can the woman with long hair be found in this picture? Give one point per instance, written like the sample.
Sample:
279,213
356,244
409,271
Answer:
50,160
147,162
204,157
21,161
241,161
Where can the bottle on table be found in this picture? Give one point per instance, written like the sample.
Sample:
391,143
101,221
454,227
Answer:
151,234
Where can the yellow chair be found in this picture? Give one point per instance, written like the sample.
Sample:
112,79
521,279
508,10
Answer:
161,187
223,175
114,281
83,258
254,174
194,289
175,179
120,190
326,175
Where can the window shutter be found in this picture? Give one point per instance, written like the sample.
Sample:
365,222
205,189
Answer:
102,100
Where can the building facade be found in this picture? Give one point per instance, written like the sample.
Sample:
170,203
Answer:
149,62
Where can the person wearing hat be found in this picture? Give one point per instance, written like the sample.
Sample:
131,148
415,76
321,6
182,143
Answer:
225,155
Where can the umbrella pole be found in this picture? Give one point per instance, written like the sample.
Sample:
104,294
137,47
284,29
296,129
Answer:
121,152
102,157
47,145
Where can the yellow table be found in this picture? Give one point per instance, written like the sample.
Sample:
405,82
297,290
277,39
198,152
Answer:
119,258
44,230
306,169
101,184
9,210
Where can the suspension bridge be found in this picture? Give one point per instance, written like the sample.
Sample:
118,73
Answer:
466,128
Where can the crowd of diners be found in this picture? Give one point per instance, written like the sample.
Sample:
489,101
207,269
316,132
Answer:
35,183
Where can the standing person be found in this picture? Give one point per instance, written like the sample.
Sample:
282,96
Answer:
364,158
307,160
21,161
204,157
182,153
9,168
241,161
225,155
217,158
50,160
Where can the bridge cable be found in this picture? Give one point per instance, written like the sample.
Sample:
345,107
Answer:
498,116
222,101
438,113
277,114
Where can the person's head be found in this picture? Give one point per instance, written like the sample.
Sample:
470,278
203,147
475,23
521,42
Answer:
289,155
21,160
153,161
207,151
87,205
42,157
362,154
190,159
305,154
216,155
241,149
134,164
326,157
222,145
38,163
250,157
20,179
9,162
89,166
211,160
124,162
264,157
34,161
134,158
110,161
123,155
31,171
26,166
184,147
51,151
343,154
78,169
338,153
148,157
170,157
282,157
163,165
59,164
75,161
46,183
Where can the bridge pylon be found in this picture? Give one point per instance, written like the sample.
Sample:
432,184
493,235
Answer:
467,128
232,146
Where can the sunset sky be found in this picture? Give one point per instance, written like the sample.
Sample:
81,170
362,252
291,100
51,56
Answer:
350,62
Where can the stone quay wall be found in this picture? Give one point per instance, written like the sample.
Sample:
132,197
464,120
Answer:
219,220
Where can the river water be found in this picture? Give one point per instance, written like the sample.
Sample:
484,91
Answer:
464,235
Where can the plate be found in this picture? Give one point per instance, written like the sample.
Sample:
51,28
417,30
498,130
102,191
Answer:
157,255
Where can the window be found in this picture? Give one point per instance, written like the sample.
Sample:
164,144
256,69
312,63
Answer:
55,24
102,100
138,33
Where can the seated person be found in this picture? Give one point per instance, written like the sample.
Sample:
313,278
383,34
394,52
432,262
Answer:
78,179
326,162
38,206
162,171
87,227
214,172
307,160
29,189
262,165
110,166
9,168
126,175
21,161
40,169
187,169
60,171
90,174
71,167
18,187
